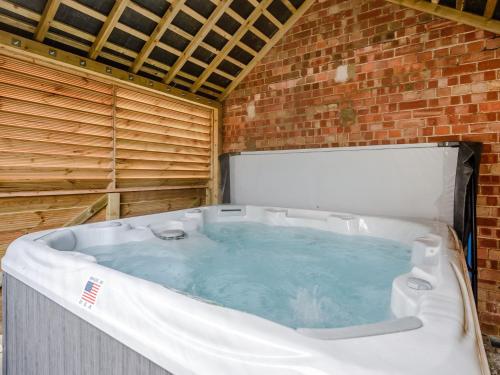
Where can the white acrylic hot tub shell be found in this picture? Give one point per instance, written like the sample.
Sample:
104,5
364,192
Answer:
188,336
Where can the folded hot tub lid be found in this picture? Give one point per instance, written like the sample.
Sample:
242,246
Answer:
433,181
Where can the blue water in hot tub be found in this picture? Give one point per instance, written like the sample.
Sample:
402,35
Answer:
298,277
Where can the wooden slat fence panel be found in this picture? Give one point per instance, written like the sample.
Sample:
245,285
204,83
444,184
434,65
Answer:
21,215
160,140
67,139
55,130
147,202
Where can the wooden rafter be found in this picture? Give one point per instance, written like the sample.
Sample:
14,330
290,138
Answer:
273,19
276,37
198,38
446,12
252,28
93,45
47,16
258,10
154,39
84,9
153,17
289,5
197,16
245,48
107,28
268,14
144,12
490,8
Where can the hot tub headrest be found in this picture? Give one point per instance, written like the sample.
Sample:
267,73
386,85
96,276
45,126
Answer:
63,240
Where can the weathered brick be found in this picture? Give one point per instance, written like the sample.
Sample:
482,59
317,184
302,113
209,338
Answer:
489,64
460,69
413,104
489,106
416,79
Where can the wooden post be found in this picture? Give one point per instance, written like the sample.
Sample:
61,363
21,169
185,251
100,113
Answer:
208,196
113,182
213,190
113,207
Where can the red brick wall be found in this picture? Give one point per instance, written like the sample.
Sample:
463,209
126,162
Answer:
412,78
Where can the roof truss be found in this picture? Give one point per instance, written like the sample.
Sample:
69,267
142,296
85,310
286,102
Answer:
464,11
199,46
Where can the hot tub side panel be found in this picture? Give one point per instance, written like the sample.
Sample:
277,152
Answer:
43,338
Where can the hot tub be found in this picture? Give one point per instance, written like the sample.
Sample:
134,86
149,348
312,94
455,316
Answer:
71,305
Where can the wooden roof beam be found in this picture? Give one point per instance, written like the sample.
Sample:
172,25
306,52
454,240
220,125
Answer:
154,39
18,9
16,23
107,27
451,14
258,10
252,28
239,64
246,48
276,37
289,5
490,8
273,19
85,9
197,16
144,12
47,16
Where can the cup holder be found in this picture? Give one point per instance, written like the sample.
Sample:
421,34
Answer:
170,234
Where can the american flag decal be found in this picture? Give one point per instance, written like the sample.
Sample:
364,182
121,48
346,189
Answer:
90,292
